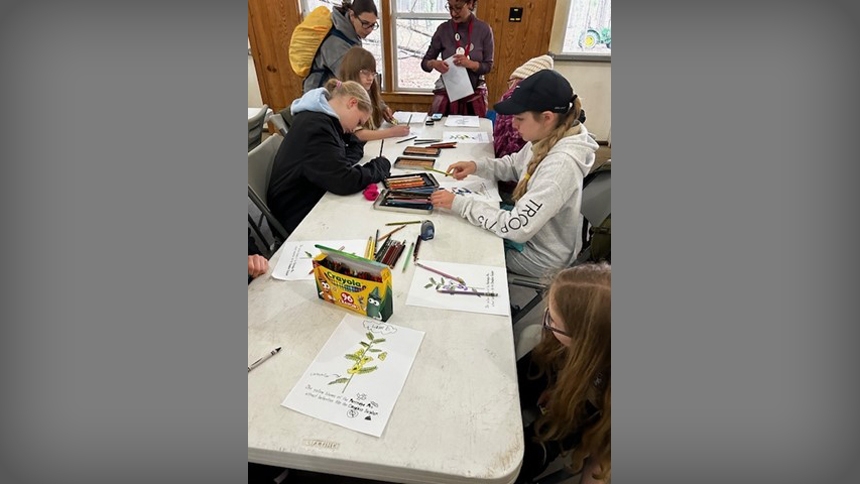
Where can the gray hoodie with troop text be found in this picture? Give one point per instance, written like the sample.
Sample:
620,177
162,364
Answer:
547,219
331,52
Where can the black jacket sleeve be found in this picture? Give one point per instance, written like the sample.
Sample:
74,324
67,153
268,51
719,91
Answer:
354,149
332,169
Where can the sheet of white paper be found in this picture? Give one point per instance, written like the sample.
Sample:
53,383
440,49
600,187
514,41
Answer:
471,186
296,257
456,81
423,291
466,136
402,117
358,375
458,121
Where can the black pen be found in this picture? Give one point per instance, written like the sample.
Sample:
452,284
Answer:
264,358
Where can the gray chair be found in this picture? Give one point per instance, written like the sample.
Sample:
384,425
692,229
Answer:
596,207
255,127
260,161
280,124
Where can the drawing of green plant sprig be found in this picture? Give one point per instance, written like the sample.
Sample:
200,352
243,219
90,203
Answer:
361,357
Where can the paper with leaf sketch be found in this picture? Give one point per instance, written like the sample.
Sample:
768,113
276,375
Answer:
466,137
457,83
471,186
458,121
403,117
296,258
475,279
357,376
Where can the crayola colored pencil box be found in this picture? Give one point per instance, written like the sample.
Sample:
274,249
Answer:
354,283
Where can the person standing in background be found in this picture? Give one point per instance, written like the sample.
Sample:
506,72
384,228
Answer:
353,22
470,41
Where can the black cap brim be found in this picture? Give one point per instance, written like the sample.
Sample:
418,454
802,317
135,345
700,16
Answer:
508,106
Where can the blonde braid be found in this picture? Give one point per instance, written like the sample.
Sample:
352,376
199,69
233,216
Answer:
568,125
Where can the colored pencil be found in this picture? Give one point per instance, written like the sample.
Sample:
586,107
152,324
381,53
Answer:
417,246
470,293
406,262
407,139
405,223
367,253
438,171
426,141
381,144
389,233
437,271
410,120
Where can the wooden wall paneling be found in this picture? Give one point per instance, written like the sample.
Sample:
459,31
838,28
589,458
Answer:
515,42
270,25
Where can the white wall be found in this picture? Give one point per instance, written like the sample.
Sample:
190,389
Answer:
592,81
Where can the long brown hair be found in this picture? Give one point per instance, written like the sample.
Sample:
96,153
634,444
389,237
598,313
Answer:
356,59
581,372
567,124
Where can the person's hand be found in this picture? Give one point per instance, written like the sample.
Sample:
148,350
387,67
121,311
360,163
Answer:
440,66
257,265
399,130
462,60
442,199
380,167
388,115
462,169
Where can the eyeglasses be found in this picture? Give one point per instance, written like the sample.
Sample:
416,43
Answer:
367,73
367,25
547,326
453,9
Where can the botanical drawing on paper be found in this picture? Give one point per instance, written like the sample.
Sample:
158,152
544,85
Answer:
361,357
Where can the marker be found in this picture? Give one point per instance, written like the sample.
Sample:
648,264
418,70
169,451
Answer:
264,358
437,271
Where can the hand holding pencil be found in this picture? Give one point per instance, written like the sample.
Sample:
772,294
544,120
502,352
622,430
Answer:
462,169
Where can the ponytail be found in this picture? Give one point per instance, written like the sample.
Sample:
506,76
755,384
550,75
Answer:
569,124
335,88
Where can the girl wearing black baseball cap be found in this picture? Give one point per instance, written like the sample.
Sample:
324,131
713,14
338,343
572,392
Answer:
542,231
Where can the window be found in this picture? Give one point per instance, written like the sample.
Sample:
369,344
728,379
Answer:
589,29
415,23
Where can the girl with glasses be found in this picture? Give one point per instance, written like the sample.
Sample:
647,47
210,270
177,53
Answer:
568,377
352,22
359,65
470,41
